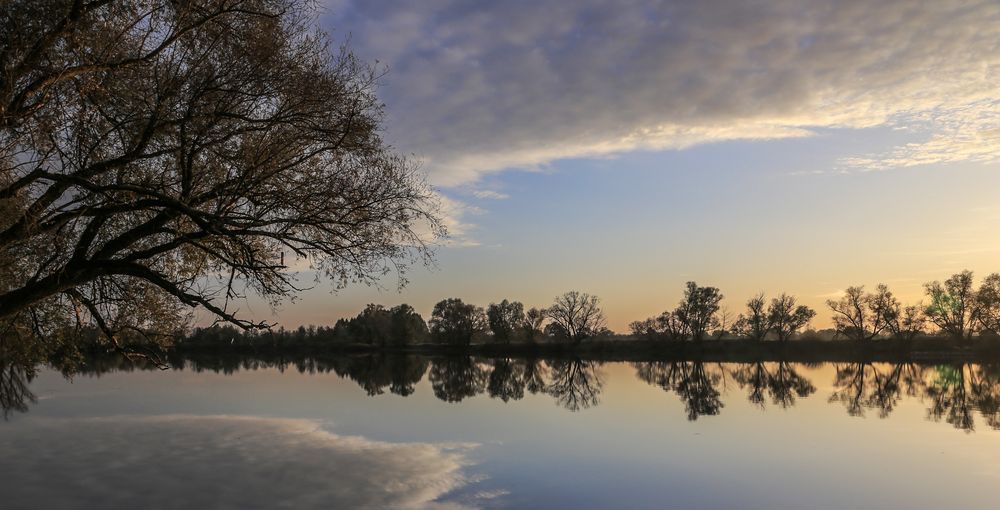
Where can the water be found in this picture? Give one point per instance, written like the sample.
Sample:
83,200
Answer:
376,432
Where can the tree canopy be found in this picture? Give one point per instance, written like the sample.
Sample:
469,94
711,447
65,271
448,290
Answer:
157,156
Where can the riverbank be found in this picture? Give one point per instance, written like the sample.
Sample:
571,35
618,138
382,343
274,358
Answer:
929,349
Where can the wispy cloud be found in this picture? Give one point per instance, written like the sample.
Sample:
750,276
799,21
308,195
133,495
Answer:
967,133
490,195
519,84
455,215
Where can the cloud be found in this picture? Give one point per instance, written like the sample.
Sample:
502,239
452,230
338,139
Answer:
219,462
521,83
455,217
490,195
967,133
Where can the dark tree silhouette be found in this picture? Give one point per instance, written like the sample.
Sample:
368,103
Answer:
576,316
863,316
953,305
534,320
785,318
697,310
455,322
755,324
507,320
161,155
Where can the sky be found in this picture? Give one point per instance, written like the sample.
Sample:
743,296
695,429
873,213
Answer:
623,148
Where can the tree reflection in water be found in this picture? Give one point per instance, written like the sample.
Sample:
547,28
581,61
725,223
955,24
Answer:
780,381
696,386
951,393
15,393
575,384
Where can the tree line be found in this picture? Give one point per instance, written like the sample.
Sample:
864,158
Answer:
572,318
955,308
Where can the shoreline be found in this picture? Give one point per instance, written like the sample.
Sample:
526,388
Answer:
924,350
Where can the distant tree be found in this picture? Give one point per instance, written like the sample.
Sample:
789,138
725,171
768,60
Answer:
373,325
408,327
988,304
576,316
671,327
724,323
644,330
785,318
953,305
755,324
863,316
697,310
533,324
906,322
506,319
455,322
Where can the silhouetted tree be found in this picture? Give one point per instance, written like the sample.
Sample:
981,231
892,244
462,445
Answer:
506,320
785,318
906,323
576,316
953,305
147,147
863,316
533,325
698,309
988,304
455,322
755,324
408,327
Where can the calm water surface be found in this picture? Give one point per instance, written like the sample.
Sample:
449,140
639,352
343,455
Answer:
373,432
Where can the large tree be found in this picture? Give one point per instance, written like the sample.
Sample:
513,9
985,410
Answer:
697,311
455,322
786,318
506,320
576,316
953,307
861,315
162,155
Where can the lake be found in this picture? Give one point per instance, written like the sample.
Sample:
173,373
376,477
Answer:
448,433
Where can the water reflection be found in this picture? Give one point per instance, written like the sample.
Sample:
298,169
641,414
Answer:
222,462
779,381
15,394
696,385
951,393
